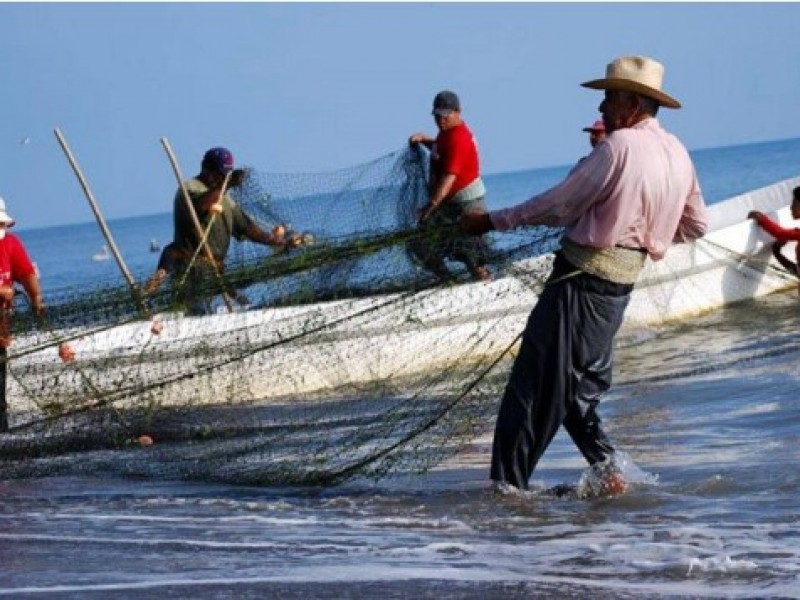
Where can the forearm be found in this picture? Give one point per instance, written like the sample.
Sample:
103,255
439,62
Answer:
785,262
258,235
33,289
775,230
442,190
788,265
421,138
694,221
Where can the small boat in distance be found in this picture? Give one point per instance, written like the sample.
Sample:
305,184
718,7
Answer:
154,245
102,255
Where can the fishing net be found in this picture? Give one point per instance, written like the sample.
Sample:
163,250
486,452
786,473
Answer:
341,357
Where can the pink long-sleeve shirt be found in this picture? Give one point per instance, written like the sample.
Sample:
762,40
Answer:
637,189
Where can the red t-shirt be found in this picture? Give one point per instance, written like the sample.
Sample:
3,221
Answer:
455,152
15,264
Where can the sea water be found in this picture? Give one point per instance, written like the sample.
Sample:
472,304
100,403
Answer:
707,411
64,255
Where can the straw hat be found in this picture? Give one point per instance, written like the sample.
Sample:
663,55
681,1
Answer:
638,74
4,216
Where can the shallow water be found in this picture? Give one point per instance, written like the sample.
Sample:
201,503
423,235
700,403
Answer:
707,413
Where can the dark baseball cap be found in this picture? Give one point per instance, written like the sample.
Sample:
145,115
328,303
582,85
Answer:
445,102
596,126
219,159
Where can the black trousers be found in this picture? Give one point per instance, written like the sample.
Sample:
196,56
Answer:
562,369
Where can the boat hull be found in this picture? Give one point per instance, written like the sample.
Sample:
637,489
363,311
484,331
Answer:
346,346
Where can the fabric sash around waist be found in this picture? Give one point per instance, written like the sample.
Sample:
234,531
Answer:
617,264
565,271
472,192
183,256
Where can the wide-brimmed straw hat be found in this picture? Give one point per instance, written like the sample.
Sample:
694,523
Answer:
638,74
4,216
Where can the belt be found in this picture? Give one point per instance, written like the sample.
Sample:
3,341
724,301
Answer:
642,250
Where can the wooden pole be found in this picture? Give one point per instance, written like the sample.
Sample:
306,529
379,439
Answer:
201,235
101,222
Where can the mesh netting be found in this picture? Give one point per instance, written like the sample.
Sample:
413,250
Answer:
350,360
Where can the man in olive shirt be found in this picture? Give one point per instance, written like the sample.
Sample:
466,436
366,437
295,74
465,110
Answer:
208,194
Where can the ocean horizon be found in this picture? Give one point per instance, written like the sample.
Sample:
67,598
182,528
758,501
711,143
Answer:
764,162
64,253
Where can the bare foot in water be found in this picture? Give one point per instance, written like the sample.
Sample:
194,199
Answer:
614,484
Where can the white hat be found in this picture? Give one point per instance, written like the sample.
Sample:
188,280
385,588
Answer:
638,74
4,216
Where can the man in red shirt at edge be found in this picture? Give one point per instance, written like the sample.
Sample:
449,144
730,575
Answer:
16,267
781,234
455,188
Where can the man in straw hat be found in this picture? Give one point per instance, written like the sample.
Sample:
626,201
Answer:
633,196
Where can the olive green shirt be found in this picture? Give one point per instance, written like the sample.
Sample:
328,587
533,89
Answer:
233,222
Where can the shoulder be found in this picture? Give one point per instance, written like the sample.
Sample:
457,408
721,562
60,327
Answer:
644,138
229,202
648,129
15,247
621,139
12,240
460,137
230,205
195,186
462,131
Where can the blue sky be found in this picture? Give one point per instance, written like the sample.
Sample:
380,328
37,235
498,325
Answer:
317,87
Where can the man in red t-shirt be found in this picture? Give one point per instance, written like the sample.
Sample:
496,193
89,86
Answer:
455,187
781,234
15,267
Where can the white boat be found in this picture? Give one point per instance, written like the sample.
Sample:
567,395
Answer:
267,356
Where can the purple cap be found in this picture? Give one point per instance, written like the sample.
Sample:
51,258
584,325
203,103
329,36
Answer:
596,126
218,159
